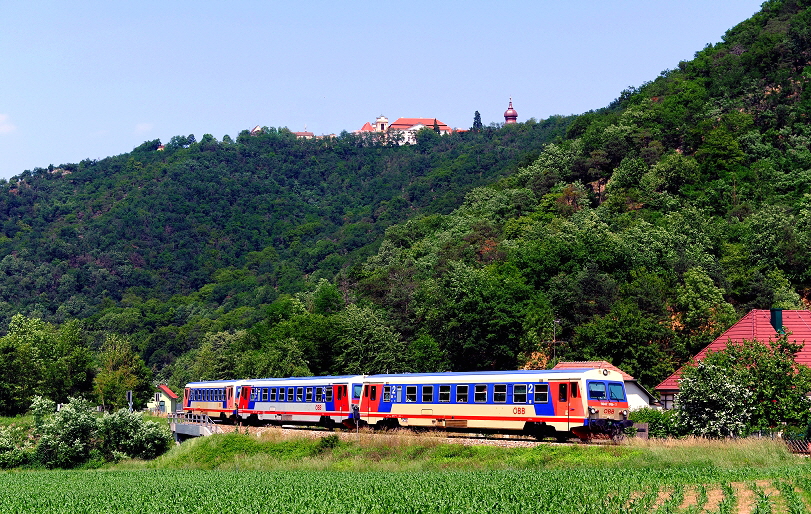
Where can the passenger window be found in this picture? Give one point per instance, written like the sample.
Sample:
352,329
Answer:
265,394
427,394
541,393
500,393
273,394
520,393
299,394
309,394
575,387
411,394
480,393
319,394
616,392
444,394
596,390
372,393
461,394
386,393
328,393
290,394
563,395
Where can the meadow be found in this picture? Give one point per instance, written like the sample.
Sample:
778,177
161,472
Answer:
405,473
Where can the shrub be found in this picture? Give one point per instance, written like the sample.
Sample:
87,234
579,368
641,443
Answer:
66,436
126,433
15,447
661,423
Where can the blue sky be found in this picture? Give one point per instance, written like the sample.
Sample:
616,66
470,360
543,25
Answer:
91,79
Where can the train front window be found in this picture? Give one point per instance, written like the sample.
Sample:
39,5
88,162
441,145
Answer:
596,390
520,393
356,391
616,393
444,394
500,393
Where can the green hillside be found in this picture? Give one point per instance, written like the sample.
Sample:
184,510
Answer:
645,229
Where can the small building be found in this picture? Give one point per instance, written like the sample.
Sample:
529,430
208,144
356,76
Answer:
304,135
638,396
762,325
164,401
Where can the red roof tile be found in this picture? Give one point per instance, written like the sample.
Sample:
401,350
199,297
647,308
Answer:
367,127
756,326
407,123
592,364
171,394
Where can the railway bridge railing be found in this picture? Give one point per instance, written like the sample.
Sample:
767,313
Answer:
187,424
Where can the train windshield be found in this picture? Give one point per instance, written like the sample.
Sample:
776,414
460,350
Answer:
356,390
616,392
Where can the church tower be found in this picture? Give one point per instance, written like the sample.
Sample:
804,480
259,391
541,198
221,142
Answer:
510,115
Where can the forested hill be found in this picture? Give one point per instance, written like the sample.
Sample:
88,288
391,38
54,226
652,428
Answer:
155,223
643,231
653,227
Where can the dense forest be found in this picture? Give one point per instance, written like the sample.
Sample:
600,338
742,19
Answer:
634,233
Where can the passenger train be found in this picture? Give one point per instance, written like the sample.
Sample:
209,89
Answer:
543,403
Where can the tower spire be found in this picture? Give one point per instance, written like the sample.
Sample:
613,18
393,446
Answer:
510,115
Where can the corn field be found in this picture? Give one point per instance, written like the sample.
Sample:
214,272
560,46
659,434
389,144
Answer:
553,491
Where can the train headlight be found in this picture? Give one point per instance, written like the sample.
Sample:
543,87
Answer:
592,410
625,414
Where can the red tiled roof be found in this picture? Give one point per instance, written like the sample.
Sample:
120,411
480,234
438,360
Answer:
756,326
171,394
592,364
407,123
367,127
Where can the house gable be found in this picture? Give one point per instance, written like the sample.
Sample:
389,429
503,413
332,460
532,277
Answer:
756,325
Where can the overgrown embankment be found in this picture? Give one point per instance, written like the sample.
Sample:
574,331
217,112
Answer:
273,450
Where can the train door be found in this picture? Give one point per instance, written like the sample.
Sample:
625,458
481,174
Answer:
229,399
371,398
341,399
187,398
562,399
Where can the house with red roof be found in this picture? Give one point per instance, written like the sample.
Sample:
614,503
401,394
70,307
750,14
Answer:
763,325
164,401
406,128
638,396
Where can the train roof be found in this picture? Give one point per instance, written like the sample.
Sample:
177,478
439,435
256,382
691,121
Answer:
212,382
485,373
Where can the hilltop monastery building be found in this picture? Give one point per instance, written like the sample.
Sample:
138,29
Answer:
408,127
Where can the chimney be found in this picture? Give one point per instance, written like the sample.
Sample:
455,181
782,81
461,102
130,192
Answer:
776,319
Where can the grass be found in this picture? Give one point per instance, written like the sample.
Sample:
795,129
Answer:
275,450
403,472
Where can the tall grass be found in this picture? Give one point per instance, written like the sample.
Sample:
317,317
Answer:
275,449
